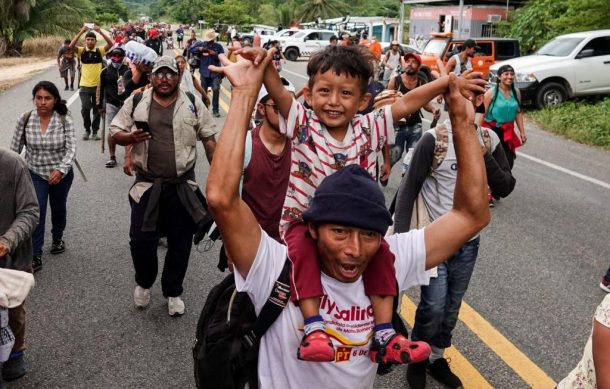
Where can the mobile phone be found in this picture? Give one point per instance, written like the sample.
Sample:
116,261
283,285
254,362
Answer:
90,25
142,126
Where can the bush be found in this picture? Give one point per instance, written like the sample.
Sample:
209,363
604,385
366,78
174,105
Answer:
43,46
584,121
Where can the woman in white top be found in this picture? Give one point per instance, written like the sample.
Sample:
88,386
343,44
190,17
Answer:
593,370
392,60
189,83
48,135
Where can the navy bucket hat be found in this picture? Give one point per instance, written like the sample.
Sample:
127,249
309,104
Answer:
352,198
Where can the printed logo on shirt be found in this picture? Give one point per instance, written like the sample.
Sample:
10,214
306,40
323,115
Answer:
354,313
342,354
304,172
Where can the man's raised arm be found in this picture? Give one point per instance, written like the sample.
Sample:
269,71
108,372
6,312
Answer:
240,231
470,212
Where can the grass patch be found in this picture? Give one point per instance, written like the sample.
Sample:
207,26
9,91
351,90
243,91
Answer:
42,46
583,121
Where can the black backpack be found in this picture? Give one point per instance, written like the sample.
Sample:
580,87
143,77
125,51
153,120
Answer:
228,334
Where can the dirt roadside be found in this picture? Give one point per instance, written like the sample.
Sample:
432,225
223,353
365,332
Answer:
16,71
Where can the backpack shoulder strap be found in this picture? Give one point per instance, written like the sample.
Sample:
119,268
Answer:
136,100
277,301
26,117
192,99
486,138
440,145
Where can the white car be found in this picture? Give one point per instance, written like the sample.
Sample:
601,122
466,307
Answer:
304,43
570,65
280,34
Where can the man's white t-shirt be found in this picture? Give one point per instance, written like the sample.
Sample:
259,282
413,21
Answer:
346,311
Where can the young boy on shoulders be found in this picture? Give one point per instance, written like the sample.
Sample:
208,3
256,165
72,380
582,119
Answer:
326,138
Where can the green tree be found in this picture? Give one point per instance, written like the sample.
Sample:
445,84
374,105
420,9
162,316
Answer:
229,12
583,15
325,9
110,11
23,19
268,14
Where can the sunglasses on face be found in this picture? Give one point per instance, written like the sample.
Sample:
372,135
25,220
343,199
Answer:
166,75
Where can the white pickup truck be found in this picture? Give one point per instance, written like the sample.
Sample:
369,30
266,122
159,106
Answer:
305,43
570,65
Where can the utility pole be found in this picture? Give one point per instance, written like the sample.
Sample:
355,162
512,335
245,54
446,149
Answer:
402,21
460,28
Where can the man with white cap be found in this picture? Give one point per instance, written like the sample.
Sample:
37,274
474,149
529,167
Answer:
165,199
209,50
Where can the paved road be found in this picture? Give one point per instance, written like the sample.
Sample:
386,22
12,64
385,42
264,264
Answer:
535,281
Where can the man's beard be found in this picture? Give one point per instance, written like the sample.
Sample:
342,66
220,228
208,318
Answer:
168,94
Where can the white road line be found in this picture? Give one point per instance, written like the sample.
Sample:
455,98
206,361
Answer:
296,74
566,171
73,98
572,173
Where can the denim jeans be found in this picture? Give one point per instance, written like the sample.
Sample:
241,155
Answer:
175,223
57,196
405,138
440,301
87,99
215,84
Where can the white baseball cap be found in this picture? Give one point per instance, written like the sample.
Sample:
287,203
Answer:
287,84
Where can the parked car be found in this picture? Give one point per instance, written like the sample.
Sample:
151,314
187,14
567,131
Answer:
280,34
248,37
304,43
492,50
570,65
404,49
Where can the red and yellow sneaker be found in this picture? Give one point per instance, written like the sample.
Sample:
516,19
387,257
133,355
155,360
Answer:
316,347
400,350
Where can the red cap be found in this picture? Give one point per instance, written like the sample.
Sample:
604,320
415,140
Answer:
414,56
153,33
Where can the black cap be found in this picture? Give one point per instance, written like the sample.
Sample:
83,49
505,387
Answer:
117,50
470,43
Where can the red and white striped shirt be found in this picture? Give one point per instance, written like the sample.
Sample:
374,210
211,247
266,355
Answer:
316,154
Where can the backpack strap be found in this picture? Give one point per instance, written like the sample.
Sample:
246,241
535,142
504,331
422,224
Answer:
192,99
277,301
136,100
440,145
25,124
486,138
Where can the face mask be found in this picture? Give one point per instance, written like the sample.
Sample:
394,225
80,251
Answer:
116,65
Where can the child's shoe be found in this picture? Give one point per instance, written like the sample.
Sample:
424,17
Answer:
316,347
399,349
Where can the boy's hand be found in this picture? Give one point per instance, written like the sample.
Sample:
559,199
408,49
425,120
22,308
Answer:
471,81
243,73
255,54
461,109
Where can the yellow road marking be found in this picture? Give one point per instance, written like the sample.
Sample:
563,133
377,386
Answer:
508,352
469,375
533,375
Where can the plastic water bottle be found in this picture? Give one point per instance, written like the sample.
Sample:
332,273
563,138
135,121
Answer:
407,161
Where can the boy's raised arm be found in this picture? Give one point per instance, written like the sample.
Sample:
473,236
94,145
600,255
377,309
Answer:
418,97
273,84
239,229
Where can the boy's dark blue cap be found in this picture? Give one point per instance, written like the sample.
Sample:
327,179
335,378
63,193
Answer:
350,197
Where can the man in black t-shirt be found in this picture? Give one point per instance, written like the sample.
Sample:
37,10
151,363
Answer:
409,130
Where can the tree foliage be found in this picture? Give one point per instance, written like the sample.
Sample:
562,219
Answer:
110,11
541,20
23,19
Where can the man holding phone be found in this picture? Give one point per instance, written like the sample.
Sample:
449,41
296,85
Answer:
209,51
165,199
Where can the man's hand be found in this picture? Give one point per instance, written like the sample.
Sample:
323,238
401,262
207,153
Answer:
55,177
386,169
471,81
460,108
96,28
128,164
243,74
137,136
255,54
84,29
3,250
